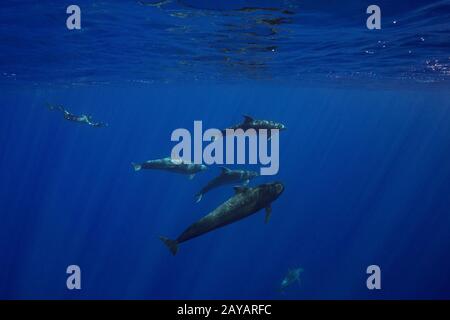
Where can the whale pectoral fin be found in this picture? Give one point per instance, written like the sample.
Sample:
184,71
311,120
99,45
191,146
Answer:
198,197
191,176
268,213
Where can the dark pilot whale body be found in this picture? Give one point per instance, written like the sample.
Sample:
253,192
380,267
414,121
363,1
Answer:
227,176
244,203
250,123
172,165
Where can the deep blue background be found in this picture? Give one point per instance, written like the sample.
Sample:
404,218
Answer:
365,159
366,174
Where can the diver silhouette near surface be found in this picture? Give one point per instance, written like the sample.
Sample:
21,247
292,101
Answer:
80,119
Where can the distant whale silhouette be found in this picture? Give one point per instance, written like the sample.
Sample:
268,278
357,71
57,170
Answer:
227,176
171,165
80,119
293,276
244,203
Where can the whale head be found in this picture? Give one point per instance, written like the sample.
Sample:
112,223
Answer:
271,191
277,188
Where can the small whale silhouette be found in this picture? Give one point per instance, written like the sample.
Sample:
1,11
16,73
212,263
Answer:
227,176
171,165
250,123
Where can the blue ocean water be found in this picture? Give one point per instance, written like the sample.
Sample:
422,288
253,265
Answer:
364,161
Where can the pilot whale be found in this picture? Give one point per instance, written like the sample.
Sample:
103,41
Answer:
250,123
172,165
227,176
84,119
293,276
244,203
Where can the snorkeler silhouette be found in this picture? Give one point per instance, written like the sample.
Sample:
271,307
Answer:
80,119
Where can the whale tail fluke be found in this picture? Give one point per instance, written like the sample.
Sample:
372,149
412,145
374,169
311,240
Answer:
171,244
198,197
136,166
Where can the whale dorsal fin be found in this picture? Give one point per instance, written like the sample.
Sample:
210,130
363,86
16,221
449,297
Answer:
225,170
240,189
247,118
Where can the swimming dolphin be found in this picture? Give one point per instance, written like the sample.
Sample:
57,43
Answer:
172,165
227,176
244,203
250,123
292,276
